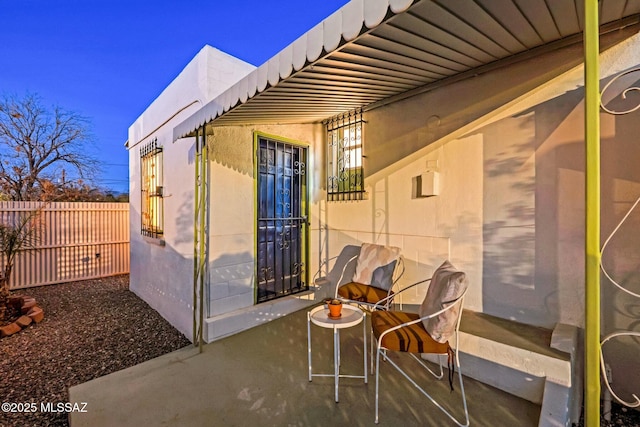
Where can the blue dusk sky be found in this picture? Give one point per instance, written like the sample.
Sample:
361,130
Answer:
108,60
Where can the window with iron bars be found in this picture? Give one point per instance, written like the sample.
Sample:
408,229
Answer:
152,201
345,172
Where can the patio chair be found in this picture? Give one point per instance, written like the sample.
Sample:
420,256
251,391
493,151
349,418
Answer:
336,270
427,332
377,270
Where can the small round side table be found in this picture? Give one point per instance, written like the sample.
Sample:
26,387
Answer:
351,316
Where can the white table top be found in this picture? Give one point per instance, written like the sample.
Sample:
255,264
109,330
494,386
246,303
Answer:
351,316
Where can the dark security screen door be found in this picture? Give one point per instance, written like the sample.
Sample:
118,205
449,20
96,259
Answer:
282,222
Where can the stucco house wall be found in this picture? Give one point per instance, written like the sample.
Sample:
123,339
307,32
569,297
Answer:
232,208
162,269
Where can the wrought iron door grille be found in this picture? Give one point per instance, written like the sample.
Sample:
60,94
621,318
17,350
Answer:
281,219
345,172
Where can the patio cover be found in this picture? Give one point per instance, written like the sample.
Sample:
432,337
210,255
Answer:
376,51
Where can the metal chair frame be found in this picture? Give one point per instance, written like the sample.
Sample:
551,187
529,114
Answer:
383,351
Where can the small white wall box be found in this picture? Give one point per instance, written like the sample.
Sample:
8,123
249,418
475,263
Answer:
429,184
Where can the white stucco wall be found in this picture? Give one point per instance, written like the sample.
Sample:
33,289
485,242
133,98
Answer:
163,274
232,213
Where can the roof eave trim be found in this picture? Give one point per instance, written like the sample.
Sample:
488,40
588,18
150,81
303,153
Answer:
343,26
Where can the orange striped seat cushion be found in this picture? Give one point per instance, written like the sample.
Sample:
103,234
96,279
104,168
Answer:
362,293
413,338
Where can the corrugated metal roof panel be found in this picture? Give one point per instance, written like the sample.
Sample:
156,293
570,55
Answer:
372,50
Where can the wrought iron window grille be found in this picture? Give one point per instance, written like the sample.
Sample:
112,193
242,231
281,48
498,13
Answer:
152,209
345,169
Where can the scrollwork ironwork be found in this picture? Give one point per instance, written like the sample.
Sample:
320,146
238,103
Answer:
285,206
267,274
345,147
636,402
285,239
623,95
333,182
298,268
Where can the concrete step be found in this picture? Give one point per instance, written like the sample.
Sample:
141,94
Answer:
224,325
530,362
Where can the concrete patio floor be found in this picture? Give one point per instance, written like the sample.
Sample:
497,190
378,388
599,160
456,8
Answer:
259,377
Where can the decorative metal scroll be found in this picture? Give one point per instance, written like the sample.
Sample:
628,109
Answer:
634,404
266,274
623,95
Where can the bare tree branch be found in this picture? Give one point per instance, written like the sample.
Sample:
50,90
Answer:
39,145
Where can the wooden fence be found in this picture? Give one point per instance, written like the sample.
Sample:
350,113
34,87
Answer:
75,241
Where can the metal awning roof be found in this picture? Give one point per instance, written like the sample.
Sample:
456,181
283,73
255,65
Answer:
370,51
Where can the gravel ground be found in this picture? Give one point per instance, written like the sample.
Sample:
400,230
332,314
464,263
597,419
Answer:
621,416
91,328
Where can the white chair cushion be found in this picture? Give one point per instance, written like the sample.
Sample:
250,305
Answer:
375,265
447,284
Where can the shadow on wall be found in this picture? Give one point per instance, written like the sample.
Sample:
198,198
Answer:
164,281
231,283
184,219
232,147
534,214
191,154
